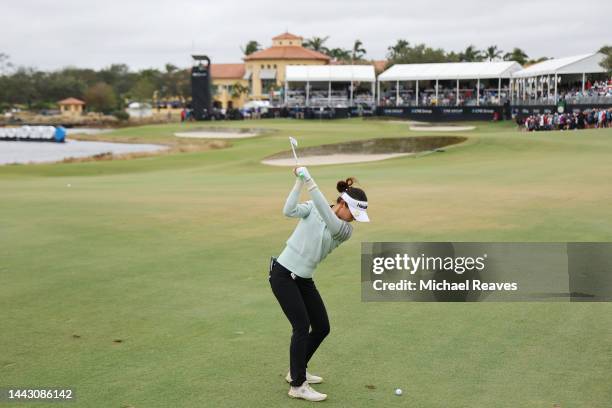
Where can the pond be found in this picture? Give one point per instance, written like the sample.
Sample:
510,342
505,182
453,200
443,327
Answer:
48,152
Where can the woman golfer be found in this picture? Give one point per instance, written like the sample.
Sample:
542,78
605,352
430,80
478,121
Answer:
321,229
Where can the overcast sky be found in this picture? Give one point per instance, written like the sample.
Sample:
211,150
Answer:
142,34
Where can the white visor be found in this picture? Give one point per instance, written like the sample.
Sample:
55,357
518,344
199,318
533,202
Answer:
357,208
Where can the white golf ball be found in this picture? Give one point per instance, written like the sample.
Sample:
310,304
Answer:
398,391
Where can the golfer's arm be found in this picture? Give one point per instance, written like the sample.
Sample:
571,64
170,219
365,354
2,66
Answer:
340,230
292,208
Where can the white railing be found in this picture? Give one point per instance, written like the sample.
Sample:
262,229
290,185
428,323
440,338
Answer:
337,99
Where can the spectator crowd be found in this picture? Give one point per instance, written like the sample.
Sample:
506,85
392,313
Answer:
587,119
446,96
597,89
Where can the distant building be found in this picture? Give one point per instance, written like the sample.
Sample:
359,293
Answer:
266,68
231,89
71,106
262,75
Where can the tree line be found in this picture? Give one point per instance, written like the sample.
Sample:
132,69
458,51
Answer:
403,52
104,90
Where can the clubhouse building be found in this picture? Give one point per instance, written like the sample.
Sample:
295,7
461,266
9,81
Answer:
262,74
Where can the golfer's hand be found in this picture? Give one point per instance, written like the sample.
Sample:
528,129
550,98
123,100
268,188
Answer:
302,172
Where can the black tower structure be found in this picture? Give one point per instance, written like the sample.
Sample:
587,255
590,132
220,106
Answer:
201,98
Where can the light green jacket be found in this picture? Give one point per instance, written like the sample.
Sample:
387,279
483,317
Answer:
318,232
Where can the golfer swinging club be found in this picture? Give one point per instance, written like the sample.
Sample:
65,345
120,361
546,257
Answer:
321,229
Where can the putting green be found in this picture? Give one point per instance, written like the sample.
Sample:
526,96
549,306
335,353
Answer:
169,254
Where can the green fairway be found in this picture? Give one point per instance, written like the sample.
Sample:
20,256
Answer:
144,283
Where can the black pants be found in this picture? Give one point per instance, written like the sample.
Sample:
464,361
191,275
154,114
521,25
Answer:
303,306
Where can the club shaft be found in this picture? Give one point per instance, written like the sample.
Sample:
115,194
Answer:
294,154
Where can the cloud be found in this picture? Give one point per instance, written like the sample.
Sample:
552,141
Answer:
143,34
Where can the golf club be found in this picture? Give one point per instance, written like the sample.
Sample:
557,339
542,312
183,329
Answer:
294,144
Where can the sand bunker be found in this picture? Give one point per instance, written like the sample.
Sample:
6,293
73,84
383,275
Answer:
333,159
407,122
362,150
449,128
219,133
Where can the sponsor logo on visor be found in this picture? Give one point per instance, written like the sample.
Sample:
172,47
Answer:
354,204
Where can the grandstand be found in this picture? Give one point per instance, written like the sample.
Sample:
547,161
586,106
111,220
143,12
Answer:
335,86
577,79
446,91
446,84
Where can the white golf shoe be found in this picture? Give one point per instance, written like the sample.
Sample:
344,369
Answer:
306,392
311,379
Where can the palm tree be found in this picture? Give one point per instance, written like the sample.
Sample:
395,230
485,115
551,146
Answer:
471,54
170,68
517,55
400,47
339,54
316,44
536,60
250,47
238,89
493,53
358,51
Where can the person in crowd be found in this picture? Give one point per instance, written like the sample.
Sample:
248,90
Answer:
592,118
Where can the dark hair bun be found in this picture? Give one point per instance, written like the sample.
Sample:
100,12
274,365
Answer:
343,185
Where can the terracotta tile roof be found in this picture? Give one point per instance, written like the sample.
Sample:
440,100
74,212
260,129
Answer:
379,65
287,36
287,52
227,71
71,101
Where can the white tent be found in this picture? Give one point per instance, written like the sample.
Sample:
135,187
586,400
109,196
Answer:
329,74
578,64
256,104
448,71
139,110
545,74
